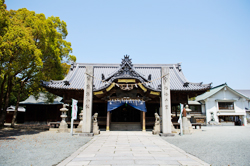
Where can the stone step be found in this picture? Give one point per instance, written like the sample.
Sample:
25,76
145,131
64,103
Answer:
125,126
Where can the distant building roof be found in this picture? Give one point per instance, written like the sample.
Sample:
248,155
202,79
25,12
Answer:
75,78
41,100
216,89
193,103
12,108
244,92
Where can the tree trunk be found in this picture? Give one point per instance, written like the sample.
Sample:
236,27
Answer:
7,98
1,95
17,105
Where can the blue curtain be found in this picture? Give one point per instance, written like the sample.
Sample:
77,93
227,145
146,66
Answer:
136,104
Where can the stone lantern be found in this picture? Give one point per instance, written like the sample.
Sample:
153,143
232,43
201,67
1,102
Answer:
187,126
188,110
63,125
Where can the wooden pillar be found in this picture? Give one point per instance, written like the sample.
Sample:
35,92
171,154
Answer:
143,121
108,121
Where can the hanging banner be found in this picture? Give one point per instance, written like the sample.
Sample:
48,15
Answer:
73,114
139,105
180,119
74,109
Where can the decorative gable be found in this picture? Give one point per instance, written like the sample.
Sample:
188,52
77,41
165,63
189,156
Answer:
126,70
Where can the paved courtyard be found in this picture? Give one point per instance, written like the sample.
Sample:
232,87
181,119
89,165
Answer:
217,145
130,148
36,148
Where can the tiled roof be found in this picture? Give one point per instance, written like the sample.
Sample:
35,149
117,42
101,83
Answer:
75,78
244,92
216,89
42,99
193,103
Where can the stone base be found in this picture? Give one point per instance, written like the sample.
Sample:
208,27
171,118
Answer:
166,134
78,130
213,123
187,126
63,130
172,128
86,134
157,129
96,130
186,132
155,132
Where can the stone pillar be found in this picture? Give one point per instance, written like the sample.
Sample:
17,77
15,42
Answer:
143,121
87,100
165,102
160,109
108,121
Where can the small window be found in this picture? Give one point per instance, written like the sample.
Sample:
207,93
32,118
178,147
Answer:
195,108
226,106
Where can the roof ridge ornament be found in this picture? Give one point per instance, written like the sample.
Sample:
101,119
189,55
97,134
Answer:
127,69
126,60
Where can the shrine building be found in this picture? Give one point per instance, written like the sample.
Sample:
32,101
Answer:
126,94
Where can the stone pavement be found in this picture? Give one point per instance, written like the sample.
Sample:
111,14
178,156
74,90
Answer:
130,148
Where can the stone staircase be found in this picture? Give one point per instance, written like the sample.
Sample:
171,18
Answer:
125,126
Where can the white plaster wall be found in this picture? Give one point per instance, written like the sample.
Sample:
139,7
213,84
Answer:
211,104
211,107
227,95
203,108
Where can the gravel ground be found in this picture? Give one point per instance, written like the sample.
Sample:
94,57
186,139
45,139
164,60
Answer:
37,148
217,145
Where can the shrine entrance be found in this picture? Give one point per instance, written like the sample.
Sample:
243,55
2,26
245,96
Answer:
126,118
125,113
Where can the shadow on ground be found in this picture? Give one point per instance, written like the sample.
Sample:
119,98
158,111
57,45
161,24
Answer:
7,133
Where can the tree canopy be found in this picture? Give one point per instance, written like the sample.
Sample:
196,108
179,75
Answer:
32,48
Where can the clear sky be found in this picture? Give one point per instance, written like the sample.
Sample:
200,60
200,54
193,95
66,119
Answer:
210,38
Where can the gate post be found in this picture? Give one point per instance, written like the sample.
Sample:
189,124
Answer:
87,100
165,102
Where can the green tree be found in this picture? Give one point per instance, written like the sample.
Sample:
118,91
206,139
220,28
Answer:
32,48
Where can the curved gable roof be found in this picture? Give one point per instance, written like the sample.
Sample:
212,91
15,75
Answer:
75,78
